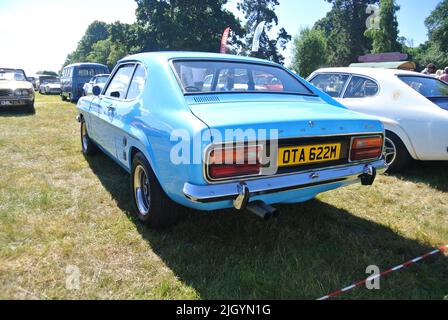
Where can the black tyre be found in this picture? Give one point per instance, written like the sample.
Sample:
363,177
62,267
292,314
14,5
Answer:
396,154
63,98
89,148
29,108
151,204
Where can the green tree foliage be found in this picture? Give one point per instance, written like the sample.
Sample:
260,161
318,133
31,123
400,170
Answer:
385,39
436,49
96,31
256,11
430,53
183,24
344,27
310,51
437,24
105,43
100,52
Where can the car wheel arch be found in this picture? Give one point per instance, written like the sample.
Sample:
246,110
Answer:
395,128
406,142
133,150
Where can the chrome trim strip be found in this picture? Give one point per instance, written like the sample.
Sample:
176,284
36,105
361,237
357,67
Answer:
275,184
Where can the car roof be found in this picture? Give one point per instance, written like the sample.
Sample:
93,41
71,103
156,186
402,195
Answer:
82,64
12,69
370,72
148,57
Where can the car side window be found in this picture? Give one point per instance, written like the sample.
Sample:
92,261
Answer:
332,84
137,83
119,84
360,87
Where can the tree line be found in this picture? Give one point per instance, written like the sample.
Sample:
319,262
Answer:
342,36
338,39
189,25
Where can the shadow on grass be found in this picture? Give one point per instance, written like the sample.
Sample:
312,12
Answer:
15,112
311,250
434,174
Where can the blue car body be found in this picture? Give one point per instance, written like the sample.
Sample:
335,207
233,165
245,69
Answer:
145,124
74,77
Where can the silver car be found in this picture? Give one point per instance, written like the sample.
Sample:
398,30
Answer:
98,80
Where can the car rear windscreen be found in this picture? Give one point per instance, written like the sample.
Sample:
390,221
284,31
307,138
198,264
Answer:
433,89
236,77
428,87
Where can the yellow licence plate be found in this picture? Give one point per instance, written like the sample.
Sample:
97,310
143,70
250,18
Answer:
294,156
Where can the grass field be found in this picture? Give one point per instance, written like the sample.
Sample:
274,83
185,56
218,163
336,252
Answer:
59,210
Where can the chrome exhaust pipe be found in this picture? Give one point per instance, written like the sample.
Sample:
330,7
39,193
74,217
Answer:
369,176
263,210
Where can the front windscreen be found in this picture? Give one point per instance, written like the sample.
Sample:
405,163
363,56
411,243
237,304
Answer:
101,79
236,77
12,75
50,80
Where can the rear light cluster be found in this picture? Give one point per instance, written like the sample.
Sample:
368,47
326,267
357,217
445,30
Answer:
234,162
364,148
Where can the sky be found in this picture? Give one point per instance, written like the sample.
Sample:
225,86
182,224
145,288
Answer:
38,35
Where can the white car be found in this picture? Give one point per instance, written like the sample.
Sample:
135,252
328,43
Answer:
98,80
413,108
50,86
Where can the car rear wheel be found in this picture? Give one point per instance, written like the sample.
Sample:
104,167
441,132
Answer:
151,204
395,153
88,146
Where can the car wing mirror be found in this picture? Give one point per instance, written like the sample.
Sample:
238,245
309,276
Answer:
96,90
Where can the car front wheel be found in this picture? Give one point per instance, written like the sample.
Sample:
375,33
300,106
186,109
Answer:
30,108
151,204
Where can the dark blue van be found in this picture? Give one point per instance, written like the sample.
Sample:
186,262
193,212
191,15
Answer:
74,77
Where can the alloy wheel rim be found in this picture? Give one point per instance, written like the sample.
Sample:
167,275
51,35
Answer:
84,136
142,190
390,151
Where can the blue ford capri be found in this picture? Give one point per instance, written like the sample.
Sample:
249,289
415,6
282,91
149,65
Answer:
210,131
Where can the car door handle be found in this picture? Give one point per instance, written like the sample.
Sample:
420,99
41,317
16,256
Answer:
110,107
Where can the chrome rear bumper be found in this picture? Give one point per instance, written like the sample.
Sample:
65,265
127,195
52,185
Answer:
241,191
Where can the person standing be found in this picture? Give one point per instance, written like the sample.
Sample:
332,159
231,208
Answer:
430,69
444,77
